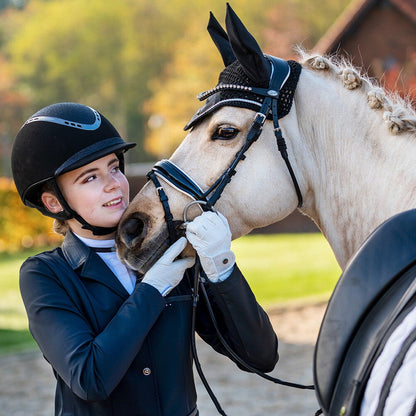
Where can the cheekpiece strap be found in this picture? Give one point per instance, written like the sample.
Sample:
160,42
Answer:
280,73
278,79
164,201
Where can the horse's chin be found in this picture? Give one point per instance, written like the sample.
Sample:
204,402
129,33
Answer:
142,261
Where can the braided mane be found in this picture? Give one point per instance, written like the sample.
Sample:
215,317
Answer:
398,113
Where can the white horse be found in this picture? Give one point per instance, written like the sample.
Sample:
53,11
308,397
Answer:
352,148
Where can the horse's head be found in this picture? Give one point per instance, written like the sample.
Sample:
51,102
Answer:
217,155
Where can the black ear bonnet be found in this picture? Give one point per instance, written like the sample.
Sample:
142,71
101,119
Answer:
234,74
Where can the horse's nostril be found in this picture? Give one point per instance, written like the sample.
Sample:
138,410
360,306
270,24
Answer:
132,231
133,227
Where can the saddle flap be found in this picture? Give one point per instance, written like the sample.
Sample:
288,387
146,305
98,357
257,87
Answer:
379,263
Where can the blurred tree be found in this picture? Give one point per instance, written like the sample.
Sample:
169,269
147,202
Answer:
194,67
123,56
20,226
12,3
99,52
298,23
12,105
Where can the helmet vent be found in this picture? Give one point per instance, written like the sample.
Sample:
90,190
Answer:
73,124
82,126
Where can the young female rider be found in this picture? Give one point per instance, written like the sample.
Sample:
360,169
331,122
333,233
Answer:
119,346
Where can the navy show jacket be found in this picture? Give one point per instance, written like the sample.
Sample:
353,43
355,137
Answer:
118,354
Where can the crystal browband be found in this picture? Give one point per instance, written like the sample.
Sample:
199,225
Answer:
204,95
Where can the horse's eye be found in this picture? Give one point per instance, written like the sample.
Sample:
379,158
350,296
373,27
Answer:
225,133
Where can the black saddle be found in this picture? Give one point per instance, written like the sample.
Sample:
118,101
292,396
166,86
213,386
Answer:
377,286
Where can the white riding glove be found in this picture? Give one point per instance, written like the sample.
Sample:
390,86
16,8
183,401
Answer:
167,272
210,236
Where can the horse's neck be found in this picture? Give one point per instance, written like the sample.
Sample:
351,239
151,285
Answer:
357,192
360,176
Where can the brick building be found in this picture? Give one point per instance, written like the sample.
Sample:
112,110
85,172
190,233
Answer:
380,37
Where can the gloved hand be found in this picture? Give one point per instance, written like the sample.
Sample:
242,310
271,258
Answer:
210,236
167,272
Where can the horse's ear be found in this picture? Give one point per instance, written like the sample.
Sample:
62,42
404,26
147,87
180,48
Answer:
246,49
220,39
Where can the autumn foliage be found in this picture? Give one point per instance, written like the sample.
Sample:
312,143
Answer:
22,227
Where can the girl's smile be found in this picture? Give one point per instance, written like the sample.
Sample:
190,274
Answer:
112,203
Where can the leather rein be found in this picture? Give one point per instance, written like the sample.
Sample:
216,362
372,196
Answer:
181,181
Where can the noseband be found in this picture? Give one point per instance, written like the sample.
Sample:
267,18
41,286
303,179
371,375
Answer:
180,180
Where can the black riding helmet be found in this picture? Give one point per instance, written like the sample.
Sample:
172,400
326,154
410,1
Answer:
55,140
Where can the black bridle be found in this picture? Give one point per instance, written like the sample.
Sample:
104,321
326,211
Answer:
184,183
180,180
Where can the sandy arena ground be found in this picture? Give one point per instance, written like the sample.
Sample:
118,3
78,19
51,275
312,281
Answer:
27,382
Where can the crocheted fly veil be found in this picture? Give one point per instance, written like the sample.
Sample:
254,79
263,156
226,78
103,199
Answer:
233,89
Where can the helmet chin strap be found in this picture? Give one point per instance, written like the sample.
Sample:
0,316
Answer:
95,229
68,213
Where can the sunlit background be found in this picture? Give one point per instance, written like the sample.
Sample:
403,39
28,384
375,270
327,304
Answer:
141,63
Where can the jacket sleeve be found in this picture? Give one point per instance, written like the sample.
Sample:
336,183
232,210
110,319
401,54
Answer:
243,323
91,364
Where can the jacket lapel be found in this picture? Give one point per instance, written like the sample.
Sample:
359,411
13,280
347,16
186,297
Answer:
89,265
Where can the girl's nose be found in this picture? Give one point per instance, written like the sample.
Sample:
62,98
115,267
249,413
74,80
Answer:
112,183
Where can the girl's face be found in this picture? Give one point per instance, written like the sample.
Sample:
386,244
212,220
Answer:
98,192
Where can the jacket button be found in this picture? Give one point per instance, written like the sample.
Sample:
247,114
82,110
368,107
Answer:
147,371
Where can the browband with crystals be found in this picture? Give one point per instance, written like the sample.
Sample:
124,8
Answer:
204,95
